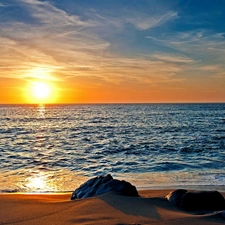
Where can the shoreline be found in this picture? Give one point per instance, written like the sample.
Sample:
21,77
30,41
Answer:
220,188
57,208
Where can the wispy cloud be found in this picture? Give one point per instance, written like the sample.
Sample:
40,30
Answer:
172,58
64,45
202,46
55,40
69,46
192,40
146,22
47,13
210,68
139,19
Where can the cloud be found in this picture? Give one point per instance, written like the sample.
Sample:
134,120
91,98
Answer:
47,13
70,47
172,58
220,75
139,70
210,68
143,15
199,53
55,40
67,46
214,71
203,46
147,22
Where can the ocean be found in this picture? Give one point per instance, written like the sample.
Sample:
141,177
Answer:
55,148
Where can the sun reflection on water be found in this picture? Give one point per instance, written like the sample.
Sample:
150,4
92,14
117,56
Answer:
49,181
41,111
39,182
36,183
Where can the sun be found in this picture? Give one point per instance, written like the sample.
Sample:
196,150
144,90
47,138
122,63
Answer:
40,92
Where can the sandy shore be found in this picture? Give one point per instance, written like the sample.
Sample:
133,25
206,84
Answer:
50,209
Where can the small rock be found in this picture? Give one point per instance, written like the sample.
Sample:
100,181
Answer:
199,200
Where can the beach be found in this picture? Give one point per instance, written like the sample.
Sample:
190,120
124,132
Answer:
150,208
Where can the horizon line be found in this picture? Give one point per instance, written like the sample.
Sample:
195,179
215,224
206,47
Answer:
112,103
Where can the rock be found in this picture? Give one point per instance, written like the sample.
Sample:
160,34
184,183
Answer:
223,214
199,200
202,200
103,184
175,196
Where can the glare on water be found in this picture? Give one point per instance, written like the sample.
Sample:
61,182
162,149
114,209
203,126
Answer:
38,182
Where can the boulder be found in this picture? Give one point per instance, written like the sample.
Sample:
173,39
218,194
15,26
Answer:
175,196
103,184
197,200
223,214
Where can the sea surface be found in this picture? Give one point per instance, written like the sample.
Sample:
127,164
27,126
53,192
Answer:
55,148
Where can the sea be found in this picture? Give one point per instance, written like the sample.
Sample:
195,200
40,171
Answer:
55,148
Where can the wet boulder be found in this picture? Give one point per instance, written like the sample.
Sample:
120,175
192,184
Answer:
197,200
104,184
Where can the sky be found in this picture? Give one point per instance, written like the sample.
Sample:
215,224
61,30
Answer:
113,51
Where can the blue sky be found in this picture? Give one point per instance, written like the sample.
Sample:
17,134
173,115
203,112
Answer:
156,47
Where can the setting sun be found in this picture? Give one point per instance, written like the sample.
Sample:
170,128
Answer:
40,92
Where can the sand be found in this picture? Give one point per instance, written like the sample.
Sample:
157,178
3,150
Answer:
50,209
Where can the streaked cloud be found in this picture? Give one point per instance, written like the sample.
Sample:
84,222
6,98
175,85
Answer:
172,58
148,22
202,46
63,44
144,42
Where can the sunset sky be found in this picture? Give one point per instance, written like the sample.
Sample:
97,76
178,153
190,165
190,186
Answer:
112,51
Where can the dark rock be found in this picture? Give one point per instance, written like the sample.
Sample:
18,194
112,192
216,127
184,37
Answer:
202,200
199,200
223,214
103,184
175,196
121,187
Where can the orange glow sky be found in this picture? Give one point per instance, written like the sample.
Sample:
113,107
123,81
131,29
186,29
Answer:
119,51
